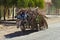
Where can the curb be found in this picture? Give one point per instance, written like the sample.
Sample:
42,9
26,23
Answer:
53,16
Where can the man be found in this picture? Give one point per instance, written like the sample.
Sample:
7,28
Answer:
21,17
18,21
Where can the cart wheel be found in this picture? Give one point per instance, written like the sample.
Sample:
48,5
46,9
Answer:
45,25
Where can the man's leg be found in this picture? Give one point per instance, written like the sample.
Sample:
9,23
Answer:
17,23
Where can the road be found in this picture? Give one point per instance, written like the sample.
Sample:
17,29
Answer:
52,33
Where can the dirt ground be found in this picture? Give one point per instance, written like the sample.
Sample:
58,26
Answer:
11,29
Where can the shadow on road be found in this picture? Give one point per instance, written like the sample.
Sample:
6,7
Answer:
8,23
19,33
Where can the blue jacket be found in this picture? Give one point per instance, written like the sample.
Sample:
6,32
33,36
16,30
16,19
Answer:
22,16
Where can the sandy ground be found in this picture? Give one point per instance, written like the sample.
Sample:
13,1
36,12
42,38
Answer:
11,29
53,20
7,30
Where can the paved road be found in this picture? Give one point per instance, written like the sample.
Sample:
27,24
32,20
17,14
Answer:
53,33
11,33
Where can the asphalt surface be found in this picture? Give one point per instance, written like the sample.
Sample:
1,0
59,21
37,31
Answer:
53,33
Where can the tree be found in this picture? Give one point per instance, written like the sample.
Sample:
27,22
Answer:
22,3
4,3
7,4
0,9
0,13
39,3
12,3
56,3
30,3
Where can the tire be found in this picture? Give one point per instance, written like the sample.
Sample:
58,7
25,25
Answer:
42,25
45,25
